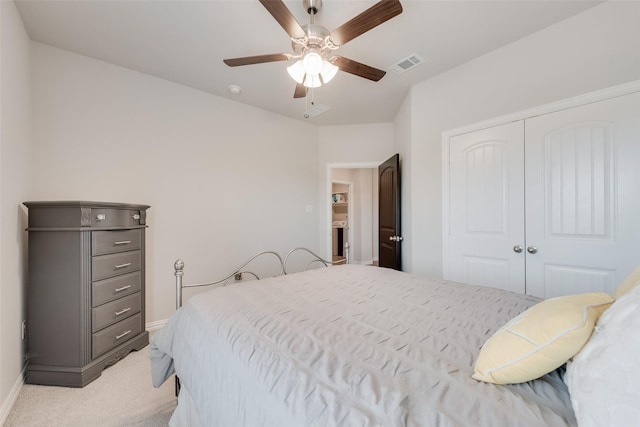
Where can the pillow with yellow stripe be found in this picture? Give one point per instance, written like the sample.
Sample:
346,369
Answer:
540,339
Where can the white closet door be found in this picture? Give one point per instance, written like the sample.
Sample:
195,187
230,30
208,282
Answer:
582,179
486,207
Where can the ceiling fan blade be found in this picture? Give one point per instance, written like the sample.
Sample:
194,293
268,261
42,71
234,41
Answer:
258,59
283,15
370,18
358,69
301,91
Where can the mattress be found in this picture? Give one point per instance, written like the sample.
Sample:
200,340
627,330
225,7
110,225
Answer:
349,346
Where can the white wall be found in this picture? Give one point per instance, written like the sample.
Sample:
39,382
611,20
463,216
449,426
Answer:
347,146
15,151
593,50
224,180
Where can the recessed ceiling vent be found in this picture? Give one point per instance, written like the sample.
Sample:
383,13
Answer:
406,63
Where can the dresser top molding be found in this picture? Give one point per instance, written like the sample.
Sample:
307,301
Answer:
68,215
84,204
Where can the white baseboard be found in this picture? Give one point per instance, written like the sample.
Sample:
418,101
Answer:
7,405
154,326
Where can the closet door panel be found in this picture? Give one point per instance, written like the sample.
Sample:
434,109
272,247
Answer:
486,207
582,204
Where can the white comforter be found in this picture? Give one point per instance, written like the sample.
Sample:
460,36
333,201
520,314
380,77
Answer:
349,346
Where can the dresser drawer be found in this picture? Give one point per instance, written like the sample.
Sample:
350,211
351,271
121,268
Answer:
109,242
115,311
107,290
116,217
115,335
105,266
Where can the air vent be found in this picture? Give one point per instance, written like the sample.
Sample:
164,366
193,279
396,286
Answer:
406,63
315,110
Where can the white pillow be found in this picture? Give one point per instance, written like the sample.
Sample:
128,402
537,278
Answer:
604,377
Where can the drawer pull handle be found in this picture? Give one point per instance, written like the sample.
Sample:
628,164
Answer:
125,333
118,313
135,217
119,266
122,288
122,242
101,217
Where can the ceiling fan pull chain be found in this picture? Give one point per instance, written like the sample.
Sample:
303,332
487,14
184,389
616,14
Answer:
306,102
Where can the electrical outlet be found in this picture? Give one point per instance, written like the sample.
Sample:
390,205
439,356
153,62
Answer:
24,329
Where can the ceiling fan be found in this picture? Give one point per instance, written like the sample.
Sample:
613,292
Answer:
313,45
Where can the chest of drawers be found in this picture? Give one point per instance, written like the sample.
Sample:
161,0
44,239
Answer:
86,289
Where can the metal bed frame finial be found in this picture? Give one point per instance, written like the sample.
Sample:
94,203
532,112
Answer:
178,267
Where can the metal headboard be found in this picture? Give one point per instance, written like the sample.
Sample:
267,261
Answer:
179,269
317,258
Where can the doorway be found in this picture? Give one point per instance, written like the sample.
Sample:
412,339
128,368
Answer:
356,212
341,217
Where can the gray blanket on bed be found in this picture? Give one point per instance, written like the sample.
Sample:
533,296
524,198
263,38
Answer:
349,346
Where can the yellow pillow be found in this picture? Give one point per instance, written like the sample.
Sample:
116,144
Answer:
541,339
629,283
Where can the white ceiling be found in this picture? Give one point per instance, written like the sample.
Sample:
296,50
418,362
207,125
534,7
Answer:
186,41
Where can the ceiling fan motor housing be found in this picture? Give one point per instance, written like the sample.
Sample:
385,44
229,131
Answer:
317,37
312,6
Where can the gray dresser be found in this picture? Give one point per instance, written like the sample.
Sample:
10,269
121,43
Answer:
85,289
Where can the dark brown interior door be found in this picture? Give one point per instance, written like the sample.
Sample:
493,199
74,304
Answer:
389,238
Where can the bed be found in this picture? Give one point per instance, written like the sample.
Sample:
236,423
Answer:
348,345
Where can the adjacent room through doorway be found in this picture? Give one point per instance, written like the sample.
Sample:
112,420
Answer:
353,216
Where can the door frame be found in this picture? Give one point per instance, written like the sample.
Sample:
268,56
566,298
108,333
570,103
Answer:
329,190
349,185
595,96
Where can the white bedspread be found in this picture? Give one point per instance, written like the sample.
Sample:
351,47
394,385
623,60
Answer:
349,346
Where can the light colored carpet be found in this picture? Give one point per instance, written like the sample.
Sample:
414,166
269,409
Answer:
121,396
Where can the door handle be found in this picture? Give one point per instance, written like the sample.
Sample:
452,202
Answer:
517,249
532,249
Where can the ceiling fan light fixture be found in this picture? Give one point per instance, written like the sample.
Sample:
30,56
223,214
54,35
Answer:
328,72
312,63
307,76
296,71
312,81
